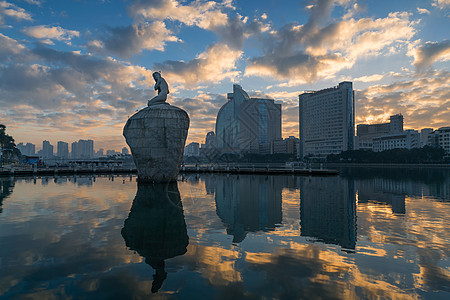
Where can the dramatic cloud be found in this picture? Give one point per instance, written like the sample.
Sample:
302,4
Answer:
204,14
129,40
58,91
49,33
10,10
214,65
429,53
424,100
306,53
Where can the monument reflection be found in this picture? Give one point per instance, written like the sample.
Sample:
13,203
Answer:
248,203
156,228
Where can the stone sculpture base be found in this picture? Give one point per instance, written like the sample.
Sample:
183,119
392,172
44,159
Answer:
156,136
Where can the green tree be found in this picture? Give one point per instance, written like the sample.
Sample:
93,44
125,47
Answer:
8,146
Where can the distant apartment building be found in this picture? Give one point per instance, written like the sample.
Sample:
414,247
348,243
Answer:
83,149
47,150
285,146
100,152
407,139
193,149
441,138
365,133
425,136
327,120
243,123
62,150
29,149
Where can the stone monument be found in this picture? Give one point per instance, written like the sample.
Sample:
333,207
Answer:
156,136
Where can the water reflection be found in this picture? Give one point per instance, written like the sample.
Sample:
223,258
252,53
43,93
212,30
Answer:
155,227
6,188
247,203
328,210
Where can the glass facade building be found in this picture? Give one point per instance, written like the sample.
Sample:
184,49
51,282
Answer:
243,123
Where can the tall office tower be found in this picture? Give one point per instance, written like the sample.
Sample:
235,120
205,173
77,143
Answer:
74,150
327,120
63,150
47,149
243,123
396,124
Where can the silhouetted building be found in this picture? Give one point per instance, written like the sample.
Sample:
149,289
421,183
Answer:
328,210
327,120
28,149
83,149
365,133
125,151
243,123
193,149
251,203
47,150
62,150
286,146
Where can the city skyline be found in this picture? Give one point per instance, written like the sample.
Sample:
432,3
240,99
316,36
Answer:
74,70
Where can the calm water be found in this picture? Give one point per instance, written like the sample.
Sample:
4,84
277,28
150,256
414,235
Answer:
365,234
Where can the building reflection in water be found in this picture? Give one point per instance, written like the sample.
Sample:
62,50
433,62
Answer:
6,188
155,227
328,210
248,203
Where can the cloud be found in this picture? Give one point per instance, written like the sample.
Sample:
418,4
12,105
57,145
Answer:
306,53
442,4
128,40
59,91
431,52
215,64
424,101
370,78
423,11
35,2
48,33
9,48
204,14
11,10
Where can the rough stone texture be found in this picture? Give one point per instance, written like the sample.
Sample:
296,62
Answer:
156,136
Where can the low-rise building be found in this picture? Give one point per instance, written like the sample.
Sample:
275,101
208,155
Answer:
408,139
441,138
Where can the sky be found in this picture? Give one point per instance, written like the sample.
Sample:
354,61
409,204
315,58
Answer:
73,70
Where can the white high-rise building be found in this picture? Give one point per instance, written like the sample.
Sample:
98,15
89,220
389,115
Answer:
327,120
